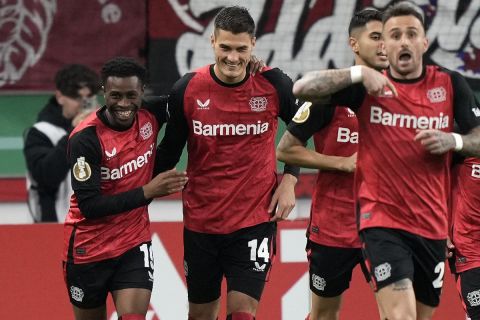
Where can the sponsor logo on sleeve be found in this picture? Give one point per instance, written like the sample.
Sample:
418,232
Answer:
476,112
350,113
303,113
81,170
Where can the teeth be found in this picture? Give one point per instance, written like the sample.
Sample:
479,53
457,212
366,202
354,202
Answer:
124,113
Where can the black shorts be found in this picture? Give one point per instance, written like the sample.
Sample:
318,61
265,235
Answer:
468,285
392,255
244,257
331,268
89,283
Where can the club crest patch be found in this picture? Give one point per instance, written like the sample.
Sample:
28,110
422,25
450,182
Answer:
81,170
303,113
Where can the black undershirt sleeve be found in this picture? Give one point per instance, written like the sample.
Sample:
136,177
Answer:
170,148
465,104
288,104
157,105
351,96
85,146
319,117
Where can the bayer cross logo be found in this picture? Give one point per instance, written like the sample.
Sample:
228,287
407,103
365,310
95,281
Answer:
474,298
76,293
436,95
383,271
146,131
318,282
258,104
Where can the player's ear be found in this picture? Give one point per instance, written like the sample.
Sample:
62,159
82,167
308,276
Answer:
254,40
212,39
60,97
425,44
353,44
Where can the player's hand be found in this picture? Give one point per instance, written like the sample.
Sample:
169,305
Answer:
165,183
435,141
376,83
348,164
283,199
256,64
450,248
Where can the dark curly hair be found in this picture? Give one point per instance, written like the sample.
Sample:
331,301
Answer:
123,67
73,77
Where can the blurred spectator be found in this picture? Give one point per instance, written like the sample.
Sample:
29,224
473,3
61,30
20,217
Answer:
48,181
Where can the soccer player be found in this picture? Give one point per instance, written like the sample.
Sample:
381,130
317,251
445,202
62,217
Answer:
406,120
466,233
229,118
333,243
107,236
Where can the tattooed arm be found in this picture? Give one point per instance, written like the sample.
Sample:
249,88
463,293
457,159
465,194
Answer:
319,85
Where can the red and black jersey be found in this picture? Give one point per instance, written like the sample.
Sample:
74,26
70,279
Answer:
332,216
108,211
398,183
466,214
230,129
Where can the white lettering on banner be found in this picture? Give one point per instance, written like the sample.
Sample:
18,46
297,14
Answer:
25,42
379,116
323,44
224,129
476,171
345,135
111,12
128,167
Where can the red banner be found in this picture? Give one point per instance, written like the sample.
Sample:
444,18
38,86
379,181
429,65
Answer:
39,37
302,35
33,287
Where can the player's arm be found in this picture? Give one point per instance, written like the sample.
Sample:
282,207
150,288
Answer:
157,105
85,156
320,85
170,148
309,120
283,198
467,117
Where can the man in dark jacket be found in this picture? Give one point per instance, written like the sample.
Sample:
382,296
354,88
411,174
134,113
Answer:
48,181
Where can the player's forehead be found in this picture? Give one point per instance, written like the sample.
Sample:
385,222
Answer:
402,23
369,28
374,26
131,83
227,38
